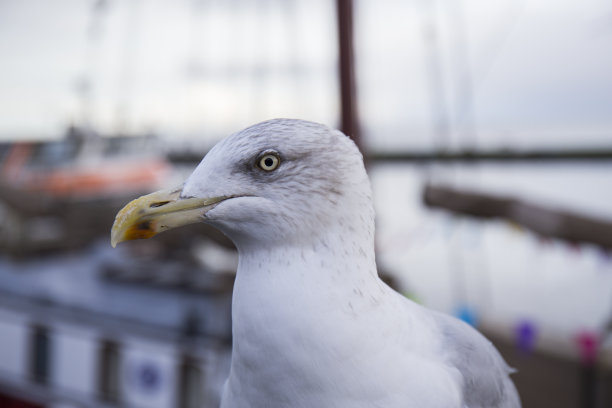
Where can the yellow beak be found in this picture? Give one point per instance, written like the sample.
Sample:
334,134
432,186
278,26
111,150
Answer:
153,213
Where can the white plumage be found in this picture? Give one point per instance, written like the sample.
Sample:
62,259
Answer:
313,325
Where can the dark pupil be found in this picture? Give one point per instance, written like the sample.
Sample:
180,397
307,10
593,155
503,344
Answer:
269,162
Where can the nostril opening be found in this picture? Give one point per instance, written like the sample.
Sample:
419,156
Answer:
158,204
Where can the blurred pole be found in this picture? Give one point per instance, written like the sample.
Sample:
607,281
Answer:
127,77
588,386
440,120
546,222
348,98
464,100
86,82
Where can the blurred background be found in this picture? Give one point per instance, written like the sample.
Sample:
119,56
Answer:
487,131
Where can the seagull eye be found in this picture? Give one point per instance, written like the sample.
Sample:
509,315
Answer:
268,162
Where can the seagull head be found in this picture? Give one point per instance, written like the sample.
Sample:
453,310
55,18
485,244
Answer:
274,183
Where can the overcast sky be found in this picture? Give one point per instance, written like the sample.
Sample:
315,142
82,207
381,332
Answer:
485,73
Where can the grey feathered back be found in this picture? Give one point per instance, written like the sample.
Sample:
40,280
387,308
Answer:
484,371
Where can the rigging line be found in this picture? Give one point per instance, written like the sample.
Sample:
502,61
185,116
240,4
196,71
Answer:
498,41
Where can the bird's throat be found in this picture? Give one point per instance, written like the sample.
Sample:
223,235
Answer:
297,307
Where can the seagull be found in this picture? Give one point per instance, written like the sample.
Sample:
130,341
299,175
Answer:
313,324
